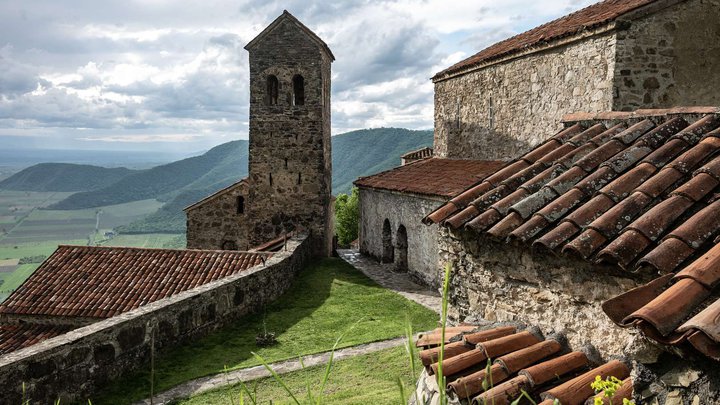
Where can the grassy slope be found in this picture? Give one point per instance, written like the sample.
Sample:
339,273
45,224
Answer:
328,297
63,177
366,379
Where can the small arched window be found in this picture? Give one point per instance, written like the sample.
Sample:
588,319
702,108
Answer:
240,204
273,87
298,90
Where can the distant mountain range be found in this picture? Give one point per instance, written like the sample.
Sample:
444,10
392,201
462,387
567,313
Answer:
180,183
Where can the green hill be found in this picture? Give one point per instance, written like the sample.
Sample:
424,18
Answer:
63,177
355,154
370,151
220,164
179,184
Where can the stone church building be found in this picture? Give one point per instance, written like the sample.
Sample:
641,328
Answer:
599,220
290,175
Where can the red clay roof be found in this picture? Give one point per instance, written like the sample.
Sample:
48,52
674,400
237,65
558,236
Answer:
590,17
641,196
16,337
521,360
437,177
100,282
676,309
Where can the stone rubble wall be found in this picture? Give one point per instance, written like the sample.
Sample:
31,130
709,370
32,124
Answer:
401,209
504,109
72,366
499,282
669,58
215,221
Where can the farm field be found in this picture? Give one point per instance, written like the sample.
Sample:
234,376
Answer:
31,233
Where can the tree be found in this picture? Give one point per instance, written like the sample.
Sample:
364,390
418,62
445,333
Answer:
347,217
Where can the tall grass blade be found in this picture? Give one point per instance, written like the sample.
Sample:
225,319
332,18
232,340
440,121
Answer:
403,397
443,320
227,382
276,377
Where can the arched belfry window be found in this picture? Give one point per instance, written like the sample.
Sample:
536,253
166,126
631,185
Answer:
298,90
273,87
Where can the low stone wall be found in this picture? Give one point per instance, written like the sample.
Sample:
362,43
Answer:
72,366
500,282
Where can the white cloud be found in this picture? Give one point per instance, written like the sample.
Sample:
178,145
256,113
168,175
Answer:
160,71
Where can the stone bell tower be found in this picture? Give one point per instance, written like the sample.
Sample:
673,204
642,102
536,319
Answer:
290,157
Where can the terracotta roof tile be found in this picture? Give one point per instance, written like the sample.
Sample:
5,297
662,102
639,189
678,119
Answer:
15,337
642,197
520,361
433,176
661,308
100,282
591,17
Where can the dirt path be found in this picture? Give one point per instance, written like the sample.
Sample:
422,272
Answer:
200,385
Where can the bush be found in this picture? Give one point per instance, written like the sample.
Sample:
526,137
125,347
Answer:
347,217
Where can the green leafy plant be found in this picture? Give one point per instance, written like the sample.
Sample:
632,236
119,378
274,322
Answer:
347,217
443,321
608,387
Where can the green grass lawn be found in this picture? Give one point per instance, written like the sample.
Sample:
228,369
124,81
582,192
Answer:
366,379
328,297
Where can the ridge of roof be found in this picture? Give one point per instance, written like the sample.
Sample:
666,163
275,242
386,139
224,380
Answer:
581,21
223,190
289,17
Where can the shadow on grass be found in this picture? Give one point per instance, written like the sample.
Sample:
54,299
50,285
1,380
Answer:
326,298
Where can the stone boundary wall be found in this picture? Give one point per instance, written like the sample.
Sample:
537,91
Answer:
501,282
72,366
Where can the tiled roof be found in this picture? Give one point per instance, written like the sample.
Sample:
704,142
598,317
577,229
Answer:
438,177
15,337
521,360
639,195
100,282
422,153
675,309
591,17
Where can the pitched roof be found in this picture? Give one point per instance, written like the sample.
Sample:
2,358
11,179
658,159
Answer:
15,337
243,181
591,17
635,195
522,360
286,16
100,282
675,309
434,176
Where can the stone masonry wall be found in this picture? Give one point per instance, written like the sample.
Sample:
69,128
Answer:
217,221
407,210
669,58
72,366
504,109
290,165
500,282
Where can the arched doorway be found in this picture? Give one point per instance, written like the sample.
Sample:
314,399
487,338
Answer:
388,251
401,247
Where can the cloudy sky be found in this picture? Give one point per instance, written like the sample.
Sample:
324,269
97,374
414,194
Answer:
146,74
